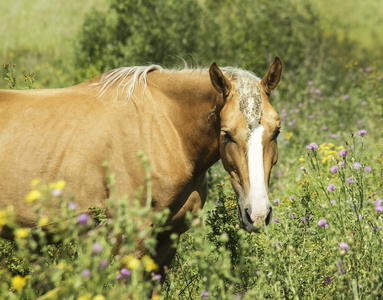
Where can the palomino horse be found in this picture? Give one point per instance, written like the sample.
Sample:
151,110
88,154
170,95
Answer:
184,121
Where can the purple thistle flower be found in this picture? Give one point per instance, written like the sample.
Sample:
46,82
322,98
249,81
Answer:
312,146
330,187
292,216
304,219
345,97
85,273
368,69
364,103
334,169
104,263
344,152
374,228
292,197
342,164
379,208
302,169
205,294
118,276
378,202
326,225
367,168
332,202
349,180
362,132
328,279
356,166
322,222
324,128
360,217
82,218
157,276
360,286
97,248
276,220
125,272
276,201
343,246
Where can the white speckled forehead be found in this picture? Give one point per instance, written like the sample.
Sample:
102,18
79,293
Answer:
250,99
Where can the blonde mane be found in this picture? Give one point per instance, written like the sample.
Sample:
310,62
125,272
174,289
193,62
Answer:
128,78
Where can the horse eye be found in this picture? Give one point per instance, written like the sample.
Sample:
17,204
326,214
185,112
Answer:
276,133
227,138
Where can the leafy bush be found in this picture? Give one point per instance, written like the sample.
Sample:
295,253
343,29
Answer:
248,34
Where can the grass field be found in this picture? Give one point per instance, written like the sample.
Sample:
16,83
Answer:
40,34
325,239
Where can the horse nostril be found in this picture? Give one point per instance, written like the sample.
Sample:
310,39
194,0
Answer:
269,215
248,217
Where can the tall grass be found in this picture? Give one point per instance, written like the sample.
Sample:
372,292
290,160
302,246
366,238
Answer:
39,35
325,239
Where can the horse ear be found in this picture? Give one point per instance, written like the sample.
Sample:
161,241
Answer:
272,77
219,81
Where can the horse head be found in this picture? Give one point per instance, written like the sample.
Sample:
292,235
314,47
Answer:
248,139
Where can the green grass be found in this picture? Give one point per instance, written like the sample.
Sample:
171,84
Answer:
294,258
39,35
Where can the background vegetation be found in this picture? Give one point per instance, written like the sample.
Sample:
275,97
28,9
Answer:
325,240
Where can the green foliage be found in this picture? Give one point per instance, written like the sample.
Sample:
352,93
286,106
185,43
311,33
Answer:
247,34
135,33
325,93
92,260
10,77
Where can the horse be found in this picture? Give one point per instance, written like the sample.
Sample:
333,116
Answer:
183,120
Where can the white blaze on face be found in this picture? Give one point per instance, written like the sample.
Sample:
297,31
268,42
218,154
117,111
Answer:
258,195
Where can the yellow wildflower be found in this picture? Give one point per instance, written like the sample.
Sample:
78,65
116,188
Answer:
87,296
20,233
98,297
43,221
149,263
301,159
156,297
35,182
131,261
18,282
32,196
60,184
289,135
3,218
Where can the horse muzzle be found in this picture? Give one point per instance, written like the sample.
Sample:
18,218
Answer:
253,221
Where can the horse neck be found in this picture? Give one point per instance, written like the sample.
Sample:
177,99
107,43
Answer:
194,107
